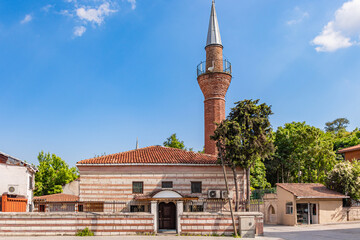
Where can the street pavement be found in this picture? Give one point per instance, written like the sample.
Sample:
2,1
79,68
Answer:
346,231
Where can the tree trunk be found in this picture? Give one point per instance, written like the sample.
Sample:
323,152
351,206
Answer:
236,190
248,189
227,189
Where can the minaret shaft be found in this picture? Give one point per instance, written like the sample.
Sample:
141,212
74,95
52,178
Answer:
214,83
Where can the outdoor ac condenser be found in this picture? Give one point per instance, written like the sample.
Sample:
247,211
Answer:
224,194
214,194
13,189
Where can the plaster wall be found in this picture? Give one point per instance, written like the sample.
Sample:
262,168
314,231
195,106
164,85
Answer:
284,197
16,175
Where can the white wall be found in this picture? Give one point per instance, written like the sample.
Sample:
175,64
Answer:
16,175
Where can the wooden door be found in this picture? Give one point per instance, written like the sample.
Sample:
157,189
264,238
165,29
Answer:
167,216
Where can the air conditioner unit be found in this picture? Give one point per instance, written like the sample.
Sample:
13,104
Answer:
224,194
214,194
13,189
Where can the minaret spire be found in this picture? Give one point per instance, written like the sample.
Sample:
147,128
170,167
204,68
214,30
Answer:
213,37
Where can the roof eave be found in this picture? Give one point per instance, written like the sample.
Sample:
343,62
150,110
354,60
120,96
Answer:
145,164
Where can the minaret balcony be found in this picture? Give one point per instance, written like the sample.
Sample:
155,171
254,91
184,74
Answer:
201,68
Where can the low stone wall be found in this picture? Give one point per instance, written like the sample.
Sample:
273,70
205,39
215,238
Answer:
37,224
352,213
248,223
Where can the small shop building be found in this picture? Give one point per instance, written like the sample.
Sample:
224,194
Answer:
305,203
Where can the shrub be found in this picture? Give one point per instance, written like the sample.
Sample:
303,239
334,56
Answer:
84,232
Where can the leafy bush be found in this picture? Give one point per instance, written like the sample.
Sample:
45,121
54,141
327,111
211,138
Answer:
84,232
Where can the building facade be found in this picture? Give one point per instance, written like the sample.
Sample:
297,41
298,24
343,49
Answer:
156,179
304,204
17,182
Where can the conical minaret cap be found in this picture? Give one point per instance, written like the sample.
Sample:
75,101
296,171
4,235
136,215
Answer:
213,37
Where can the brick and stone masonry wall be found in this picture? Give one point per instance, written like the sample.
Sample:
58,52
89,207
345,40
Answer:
115,183
248,224
33,224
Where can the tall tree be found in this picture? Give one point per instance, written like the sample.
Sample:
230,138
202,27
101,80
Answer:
337,125
245,136
174,142
303,154
345,178
53,173
258,175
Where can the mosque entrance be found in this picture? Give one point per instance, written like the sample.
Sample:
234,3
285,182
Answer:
167,216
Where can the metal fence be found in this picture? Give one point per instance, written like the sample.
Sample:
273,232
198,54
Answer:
201,68
221,205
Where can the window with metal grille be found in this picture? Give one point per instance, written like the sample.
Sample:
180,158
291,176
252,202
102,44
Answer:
167,184
138,187
196,187
137,208
289,208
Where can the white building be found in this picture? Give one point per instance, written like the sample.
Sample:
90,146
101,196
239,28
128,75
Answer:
17,178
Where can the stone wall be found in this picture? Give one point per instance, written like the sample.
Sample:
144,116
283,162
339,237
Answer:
352,213
248,224
99,183
37,224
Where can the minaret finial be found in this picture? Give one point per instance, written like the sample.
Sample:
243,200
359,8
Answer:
213,37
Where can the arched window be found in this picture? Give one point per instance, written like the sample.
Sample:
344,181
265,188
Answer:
271,209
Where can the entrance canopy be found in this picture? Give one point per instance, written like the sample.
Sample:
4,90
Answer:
166,195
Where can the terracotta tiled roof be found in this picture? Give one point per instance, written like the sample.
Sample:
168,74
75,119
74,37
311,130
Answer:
310,190
59,197
154,155
350,149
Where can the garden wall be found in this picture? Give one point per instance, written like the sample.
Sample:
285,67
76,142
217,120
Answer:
248,223
37,224
353,213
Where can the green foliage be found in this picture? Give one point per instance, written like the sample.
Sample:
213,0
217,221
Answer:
344,139
245,135
303,154
337,125
84,232
345,178
173,142
53,173
258,176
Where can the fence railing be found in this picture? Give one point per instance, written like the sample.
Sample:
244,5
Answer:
13,204
209,205
201,67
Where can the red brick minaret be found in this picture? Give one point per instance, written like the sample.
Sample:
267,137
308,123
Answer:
214,77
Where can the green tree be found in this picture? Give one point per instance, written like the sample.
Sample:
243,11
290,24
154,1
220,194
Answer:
346,139
244,137
53,173
258,175
174,142
345,178
303,154
337,125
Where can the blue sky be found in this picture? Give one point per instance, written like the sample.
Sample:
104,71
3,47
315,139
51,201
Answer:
86,77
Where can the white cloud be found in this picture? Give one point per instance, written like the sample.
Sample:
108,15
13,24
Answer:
299,16
26,19
47,8
94,15
133,4
343,31
79,31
